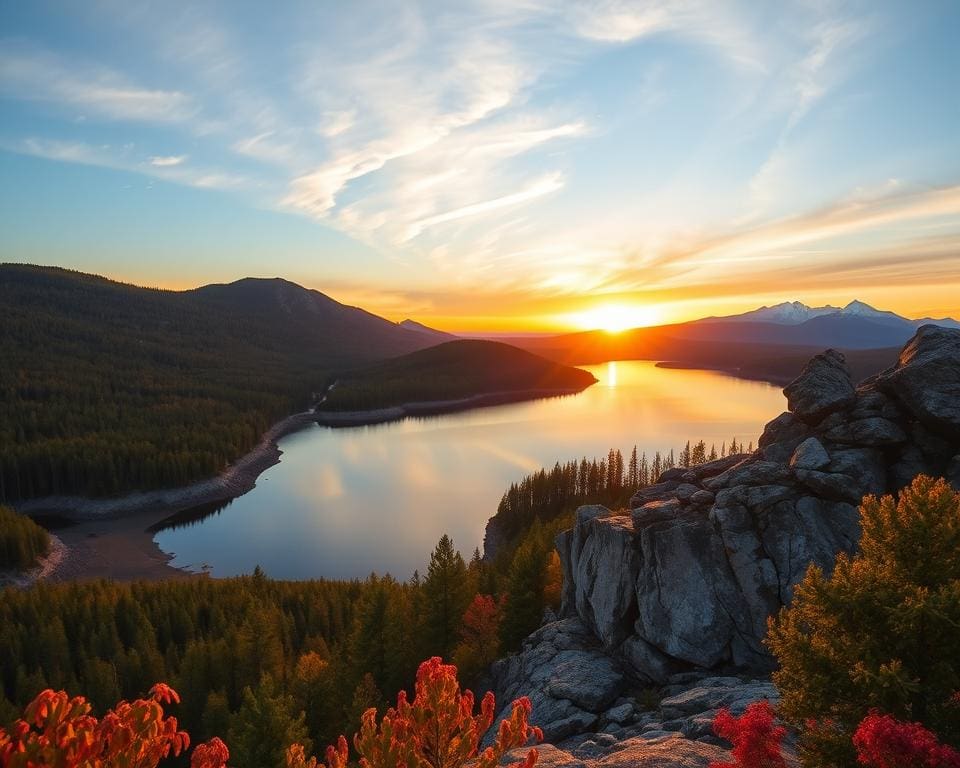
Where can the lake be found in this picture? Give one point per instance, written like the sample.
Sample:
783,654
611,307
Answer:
344,502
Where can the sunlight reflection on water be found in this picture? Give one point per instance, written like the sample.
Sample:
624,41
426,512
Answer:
343,503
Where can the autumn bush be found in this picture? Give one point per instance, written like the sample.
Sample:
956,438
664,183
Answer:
479,636
439,728
881,633
59,731
756,739
883,742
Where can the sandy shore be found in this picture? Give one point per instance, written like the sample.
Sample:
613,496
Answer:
44,569
111,538
234,481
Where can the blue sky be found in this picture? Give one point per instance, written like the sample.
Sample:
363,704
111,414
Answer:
492,164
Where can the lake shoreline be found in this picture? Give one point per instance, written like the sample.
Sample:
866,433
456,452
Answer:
733,371
113,537
339,419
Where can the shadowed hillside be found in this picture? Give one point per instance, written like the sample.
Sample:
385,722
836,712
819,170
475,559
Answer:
110,387
451,371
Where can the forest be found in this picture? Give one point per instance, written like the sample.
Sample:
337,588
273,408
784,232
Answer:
250,655
22,541
451,371
549,495
107,387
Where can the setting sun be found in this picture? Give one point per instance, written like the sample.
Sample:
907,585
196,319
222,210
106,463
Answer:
614,318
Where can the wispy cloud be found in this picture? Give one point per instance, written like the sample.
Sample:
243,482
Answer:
605,146
124,158
37,74
165,161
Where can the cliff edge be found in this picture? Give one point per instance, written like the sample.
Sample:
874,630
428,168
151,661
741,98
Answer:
687,579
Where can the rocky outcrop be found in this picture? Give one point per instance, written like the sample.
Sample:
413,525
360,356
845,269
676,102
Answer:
686,579
593,713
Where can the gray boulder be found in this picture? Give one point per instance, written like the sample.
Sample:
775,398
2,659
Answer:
871,431
653,493
781,437
830,485
716,693
605,573
823,387
810,454
590,681
566,675
686,592
926,379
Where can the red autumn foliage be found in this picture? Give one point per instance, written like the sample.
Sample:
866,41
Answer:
757,742
438,729
884,742
213,754
60,731
481,622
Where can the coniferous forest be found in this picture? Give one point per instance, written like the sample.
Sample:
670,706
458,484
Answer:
140,388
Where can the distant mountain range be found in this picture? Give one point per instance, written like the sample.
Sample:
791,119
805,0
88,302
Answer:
769,343
796,312
855,326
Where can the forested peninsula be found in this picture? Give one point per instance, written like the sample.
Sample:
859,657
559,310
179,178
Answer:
140,389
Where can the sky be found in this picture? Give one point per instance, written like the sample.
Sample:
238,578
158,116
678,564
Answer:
493,164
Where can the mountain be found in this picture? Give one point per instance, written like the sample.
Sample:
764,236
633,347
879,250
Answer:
769,343
111,387
796,313
787,313
455,370
413,325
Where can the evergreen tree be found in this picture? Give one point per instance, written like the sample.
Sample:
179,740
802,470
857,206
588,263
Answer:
633,470
524,594
446,593
264,727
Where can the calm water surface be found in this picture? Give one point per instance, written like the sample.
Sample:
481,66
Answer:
345,502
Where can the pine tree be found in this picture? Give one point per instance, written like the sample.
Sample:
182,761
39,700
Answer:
699,453
633,470
524,593
265,725
447,593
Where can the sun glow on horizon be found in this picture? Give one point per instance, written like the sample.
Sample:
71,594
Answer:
614,318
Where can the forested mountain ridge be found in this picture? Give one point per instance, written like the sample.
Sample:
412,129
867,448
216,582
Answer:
109,387
453,370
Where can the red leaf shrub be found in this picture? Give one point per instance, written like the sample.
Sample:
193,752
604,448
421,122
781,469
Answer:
757,742
884,742
213,754
59,731
438,729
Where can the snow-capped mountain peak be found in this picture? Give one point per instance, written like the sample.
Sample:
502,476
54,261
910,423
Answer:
785,313
857,307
